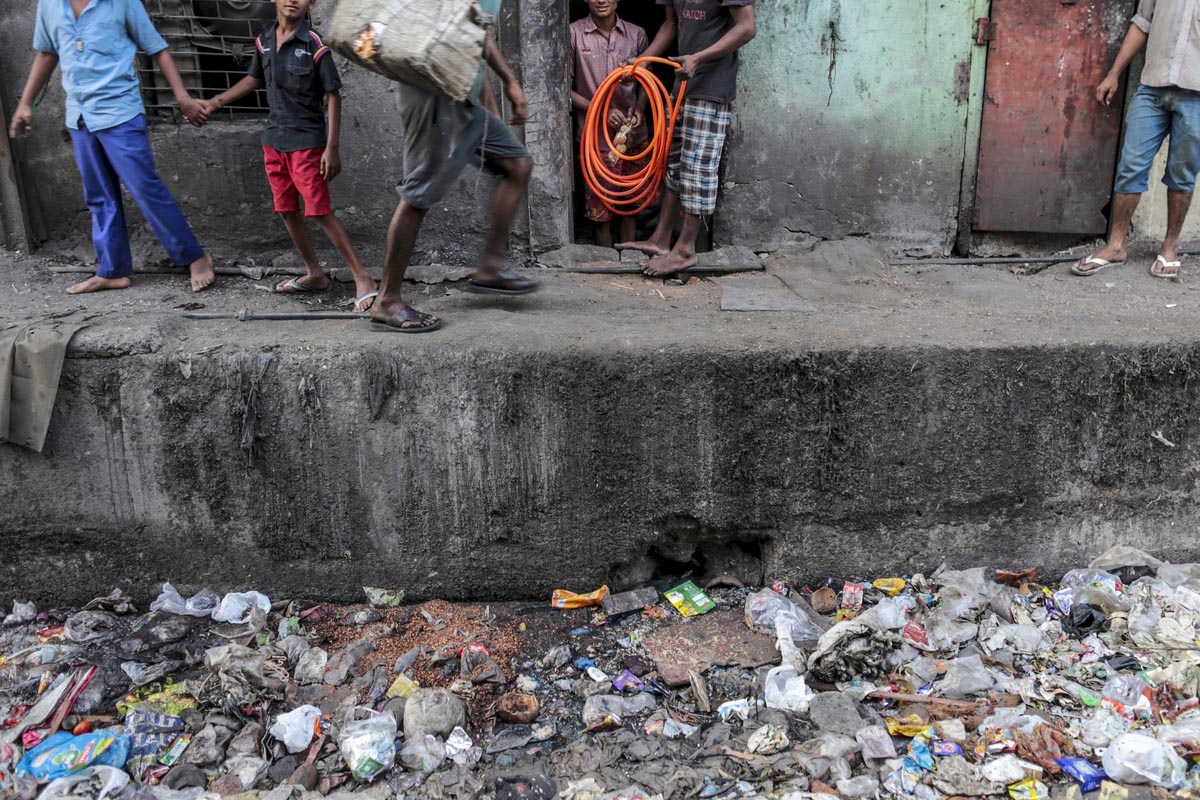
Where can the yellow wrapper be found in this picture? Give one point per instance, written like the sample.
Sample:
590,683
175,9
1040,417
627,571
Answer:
403,686
564,599
911,726
890,586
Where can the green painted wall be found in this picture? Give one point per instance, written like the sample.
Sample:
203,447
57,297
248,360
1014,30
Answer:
851,117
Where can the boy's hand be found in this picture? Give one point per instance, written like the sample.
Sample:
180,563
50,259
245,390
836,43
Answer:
331,163
615,119
22,123
195,111
520,106
1107,89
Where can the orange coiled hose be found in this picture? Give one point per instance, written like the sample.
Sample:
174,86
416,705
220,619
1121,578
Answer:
629,194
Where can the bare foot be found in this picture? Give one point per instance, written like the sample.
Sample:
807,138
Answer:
202,273
98,284
648,247
668,263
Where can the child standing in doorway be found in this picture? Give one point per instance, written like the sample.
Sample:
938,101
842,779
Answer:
600,42
301,143
94,42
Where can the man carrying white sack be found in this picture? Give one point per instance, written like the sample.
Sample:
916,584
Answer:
441,136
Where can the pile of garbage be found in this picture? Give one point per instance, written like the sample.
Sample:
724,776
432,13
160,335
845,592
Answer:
962,683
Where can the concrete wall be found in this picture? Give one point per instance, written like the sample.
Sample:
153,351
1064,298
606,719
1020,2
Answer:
216,173
851,118
516,468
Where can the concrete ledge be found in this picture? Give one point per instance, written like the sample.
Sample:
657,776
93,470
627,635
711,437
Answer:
507,470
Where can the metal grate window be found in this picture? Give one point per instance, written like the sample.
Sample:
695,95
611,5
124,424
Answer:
211,42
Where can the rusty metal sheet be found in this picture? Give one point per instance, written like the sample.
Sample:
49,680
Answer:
719,638
1048,149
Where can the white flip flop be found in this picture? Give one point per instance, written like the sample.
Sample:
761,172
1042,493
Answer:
1096,264
1157,273
362,298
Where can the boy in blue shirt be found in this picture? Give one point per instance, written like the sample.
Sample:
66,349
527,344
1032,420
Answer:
300,149
95,41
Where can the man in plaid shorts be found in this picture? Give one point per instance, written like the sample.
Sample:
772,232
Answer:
709,33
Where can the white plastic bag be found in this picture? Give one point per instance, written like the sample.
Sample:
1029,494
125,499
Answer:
237,607
892,612
112,780
787,690
201,604
295,728
367,742
1137,758
765,607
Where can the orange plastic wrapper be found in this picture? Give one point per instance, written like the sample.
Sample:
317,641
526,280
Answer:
564,599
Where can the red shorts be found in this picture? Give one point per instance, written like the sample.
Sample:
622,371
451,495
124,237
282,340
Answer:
295,175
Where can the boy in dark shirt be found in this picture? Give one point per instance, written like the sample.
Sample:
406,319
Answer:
299,149
710,33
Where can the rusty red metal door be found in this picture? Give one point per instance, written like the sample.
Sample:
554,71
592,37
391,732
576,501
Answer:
1047,149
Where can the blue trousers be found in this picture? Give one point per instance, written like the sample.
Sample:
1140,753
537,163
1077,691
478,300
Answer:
121,155
1154,113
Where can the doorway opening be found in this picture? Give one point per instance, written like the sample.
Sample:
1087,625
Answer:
649,16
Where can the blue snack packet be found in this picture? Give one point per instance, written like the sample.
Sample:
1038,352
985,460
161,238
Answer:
1085,773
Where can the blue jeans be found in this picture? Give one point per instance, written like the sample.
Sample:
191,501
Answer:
113,156
1155,112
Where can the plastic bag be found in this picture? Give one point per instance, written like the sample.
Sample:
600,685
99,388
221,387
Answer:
876,742
892,612
764,607
237,607
1097,587
63,754
21,613
1137,758
424,754
965,677
786,689
367,742
295,728
1121,555
1124,689
599,707
201,604
103,782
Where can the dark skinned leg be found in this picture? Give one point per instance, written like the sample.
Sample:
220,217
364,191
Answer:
336,231
659,242
401,239
682,255
304,246
1123,206
627,230
515,177
604,236
1178,204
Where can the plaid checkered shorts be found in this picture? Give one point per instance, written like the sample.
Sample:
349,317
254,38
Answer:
696,154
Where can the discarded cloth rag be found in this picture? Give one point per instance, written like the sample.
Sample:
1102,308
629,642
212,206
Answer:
31,361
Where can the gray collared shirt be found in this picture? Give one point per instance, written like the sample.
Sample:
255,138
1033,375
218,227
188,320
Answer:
1173,49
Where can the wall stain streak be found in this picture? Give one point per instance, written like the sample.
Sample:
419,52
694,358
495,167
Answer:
835,39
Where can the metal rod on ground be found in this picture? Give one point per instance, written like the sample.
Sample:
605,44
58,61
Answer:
72,269
916,262
632,270
250,315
